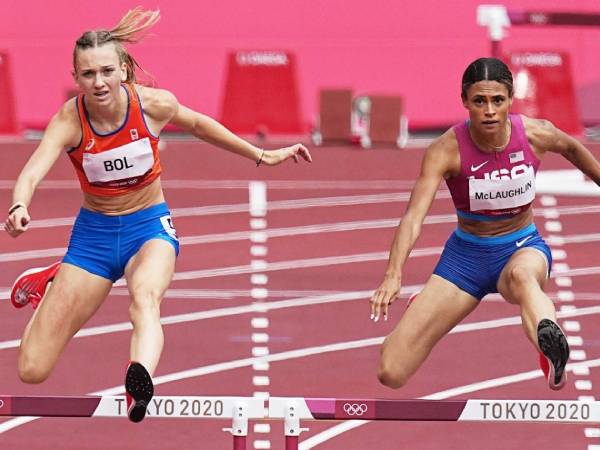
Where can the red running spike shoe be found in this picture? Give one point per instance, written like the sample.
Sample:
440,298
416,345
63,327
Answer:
412,298
31,285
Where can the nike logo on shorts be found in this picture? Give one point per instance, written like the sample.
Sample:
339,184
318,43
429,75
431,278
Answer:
522,241
476,168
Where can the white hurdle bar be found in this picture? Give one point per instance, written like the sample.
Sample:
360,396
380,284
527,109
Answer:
294,409
238,409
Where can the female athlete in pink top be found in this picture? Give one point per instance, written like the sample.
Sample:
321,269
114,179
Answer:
489,164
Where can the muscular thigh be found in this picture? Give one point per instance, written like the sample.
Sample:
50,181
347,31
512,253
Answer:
70,301
151,269
530,261
438,308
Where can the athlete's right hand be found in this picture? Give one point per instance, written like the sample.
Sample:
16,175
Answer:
384,296
18,222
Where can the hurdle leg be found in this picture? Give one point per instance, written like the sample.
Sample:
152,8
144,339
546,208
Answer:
239,426
292,426
239,442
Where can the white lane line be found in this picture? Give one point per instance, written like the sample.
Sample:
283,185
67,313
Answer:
261,366
258,209
260,322
572,326
260,351
262,428
553,226
260,293
260,380
548,200
583,385
258,224
258,250
259,278
563,281
574,341
581,371
565,296
260,338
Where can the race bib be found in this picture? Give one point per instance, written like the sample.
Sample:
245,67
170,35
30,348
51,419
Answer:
502,194
168,226
128,161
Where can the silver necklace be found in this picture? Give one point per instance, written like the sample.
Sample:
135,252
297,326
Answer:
489,146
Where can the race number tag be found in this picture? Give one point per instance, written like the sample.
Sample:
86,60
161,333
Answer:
167,224
502,193
128,161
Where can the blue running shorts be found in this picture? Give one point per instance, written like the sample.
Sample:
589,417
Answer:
103,245
474,263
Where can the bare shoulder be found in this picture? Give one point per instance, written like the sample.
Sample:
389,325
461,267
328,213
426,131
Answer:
543,135
446,142
159,104
442,155
68,111
65,125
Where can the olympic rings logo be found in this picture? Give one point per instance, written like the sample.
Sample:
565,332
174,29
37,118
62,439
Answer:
355,409
1,403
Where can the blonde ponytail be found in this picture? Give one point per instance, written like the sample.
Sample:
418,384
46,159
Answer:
134,24
132,28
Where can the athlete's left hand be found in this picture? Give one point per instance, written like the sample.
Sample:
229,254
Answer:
296,151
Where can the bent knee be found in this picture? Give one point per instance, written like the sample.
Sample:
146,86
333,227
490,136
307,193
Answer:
520,275
31,373
144,307
391,377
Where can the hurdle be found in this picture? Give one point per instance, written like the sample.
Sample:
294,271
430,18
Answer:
498,17
238,409
292,410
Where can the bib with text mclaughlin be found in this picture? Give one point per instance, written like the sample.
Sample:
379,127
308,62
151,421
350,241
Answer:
505,193
128,161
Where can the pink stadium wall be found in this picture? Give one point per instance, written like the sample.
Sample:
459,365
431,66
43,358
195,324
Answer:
415,48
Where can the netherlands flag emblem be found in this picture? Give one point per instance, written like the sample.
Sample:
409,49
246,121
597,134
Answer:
516,157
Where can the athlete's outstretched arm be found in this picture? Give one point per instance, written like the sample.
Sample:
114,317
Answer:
60,133
436,163
545,137
165,105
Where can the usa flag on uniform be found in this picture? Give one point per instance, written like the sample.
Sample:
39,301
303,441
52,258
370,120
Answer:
516,157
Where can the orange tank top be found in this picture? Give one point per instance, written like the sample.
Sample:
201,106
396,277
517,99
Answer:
112,164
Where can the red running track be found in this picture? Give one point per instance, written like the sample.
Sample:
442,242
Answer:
328,230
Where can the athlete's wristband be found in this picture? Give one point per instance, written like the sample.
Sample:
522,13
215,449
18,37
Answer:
16,206
261,158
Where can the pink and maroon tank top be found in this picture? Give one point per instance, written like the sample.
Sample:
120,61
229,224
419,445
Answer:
494,185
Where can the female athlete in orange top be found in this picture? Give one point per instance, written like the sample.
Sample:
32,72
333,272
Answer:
124,228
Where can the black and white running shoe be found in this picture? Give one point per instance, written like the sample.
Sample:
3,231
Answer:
139,391
555,353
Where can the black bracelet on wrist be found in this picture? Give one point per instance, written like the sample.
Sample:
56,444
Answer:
14,208
260,159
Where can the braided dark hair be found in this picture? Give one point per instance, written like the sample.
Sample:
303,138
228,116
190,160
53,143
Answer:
490,69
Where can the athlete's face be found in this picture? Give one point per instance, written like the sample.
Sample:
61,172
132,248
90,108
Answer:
488,103
99,73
